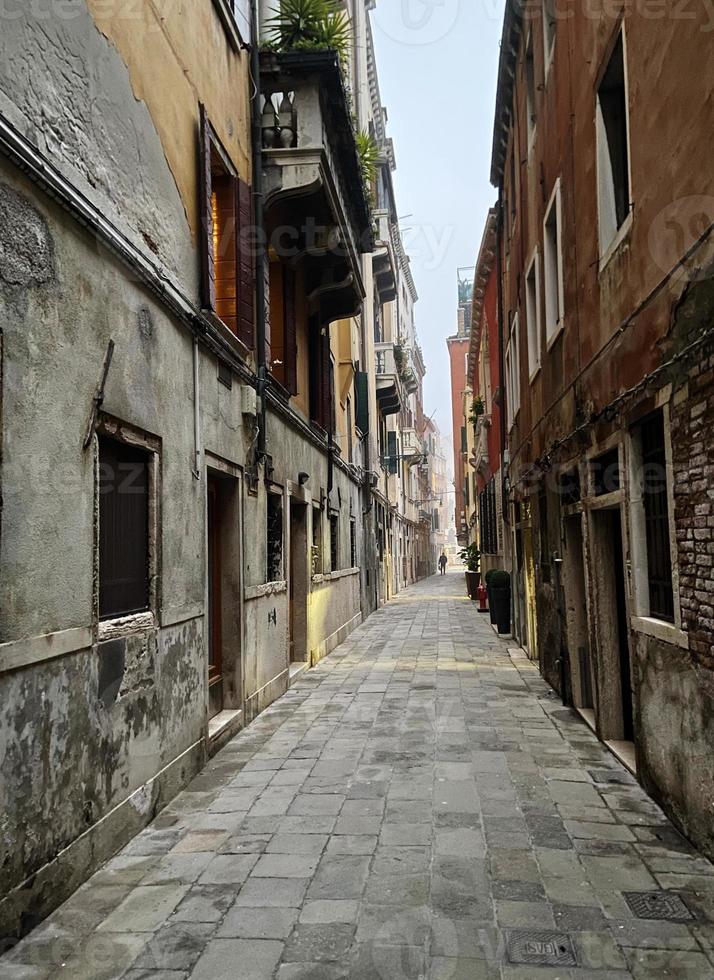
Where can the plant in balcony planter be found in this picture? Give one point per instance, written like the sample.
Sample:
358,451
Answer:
400,357
368,153
471,557
500,599
312,25
477,410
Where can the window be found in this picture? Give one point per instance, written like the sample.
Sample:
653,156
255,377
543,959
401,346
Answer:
605,471
549,28
353,544
613,157
530,90
350,428
653,516
334,542
275,538
488,519
533,315
513,376
227,276
553,266
316,541
236,18
123,529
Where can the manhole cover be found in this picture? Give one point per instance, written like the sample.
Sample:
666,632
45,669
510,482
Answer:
540,948
658,905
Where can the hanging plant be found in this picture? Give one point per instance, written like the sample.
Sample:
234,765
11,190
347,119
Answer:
312,25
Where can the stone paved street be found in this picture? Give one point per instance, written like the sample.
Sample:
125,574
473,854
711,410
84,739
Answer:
408,809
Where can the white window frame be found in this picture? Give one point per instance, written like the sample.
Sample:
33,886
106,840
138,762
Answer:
548,49
614,234
641,620
554,295
513,376
533,318
531,114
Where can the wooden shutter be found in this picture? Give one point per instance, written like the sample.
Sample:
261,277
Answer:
392,454
362,393
246,265
326,381
208,272
290,330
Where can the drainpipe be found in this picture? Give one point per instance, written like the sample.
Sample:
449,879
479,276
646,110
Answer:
258,217
196,411
501,365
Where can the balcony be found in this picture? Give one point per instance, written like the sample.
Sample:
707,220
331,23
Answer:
411,443
316,205
384,259
390,394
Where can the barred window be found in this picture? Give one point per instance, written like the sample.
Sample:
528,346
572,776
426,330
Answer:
275,538
334,542
654,498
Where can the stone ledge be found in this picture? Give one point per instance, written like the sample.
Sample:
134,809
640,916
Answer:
260,591
36,649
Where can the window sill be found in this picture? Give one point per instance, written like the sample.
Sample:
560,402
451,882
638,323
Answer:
113,629
268,588
614,246
334,576
660,630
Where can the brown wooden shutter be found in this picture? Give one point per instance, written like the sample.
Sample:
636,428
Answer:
246,265
326,381
290,330
208,272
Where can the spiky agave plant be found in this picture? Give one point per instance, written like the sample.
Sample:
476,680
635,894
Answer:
368,153
317,25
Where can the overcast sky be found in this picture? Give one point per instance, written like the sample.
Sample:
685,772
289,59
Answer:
437,63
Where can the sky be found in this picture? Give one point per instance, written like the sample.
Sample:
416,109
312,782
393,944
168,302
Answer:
437,62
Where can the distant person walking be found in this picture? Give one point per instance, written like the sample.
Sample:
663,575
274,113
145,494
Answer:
443,562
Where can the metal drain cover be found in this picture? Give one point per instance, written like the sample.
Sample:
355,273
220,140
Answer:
540,948
658,905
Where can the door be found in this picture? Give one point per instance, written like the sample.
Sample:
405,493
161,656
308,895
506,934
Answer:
215,600
576,626
299,579
614,700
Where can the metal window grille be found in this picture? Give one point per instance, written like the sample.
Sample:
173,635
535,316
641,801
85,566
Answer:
275,538
353,545
659,558
489,519
334,542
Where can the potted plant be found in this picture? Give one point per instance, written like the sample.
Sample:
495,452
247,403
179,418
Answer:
487,579
477,410
500,588
471,557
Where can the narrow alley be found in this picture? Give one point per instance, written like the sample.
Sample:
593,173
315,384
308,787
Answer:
420,805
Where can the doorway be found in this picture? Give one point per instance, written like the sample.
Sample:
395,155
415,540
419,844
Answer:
615,701
299,580
576,625
223,575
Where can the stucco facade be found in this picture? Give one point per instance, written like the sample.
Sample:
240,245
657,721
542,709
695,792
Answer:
119,335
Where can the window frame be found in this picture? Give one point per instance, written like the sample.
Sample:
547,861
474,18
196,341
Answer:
534,321
531,91
642,620
555,206
607,250
548,33
110,427
513,375
274,492
232,25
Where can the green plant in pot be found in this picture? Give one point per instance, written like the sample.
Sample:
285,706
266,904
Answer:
499,586
471,557
477,410
311,25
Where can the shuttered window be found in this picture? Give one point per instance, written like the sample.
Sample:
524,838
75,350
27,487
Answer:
227,252
123,529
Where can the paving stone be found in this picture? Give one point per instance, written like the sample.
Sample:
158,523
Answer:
286,866
258,923
249,959
298,844
273,892
205,903
320,942
332,910
228,869
176,946
144,909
